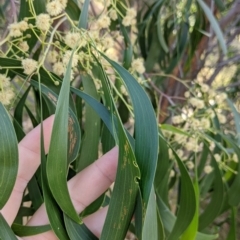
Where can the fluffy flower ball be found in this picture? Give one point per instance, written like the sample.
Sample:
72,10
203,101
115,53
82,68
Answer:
113,15
129,19
67,56
54,8
23,46
4,81
52,56
208,169
72,39
137,65
29,65
6,92
103,22
43,21
198,103
17,29
58,68
6,96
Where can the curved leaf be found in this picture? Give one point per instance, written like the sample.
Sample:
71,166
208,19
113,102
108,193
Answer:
214,24
78,231
8,156
18,115
53,211
160,34
150,228
191,231
217,199
146,131
73,10
6,232
89,145
84,15
187,201
123,197
23,231
57,162
74,133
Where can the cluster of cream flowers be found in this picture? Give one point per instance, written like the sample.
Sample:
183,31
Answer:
224,161
56,7
6,91
203,103
43,22
56,46
195,118
17,29
137,65
29,65
130,18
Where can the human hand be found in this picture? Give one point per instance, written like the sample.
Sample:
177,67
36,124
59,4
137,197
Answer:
84,188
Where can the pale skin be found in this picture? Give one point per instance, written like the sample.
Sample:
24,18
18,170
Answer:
84,188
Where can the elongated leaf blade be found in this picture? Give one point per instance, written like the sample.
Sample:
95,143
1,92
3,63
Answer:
220,4
35,193
191,231
164,167
124,194
169,219
232,232
217,199
57,163
78,231
150,227
18,115
236,119
74,133
23,231
8,156
233,198
84,15
160,34
204,236
6,232
146,131
173,129
73,10
89,145
123,197
187,201
53,211
214,24
128,51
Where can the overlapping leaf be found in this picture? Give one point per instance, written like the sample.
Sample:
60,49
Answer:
215,25
123,197
214,207
187,201
6,232
57,163
146,131
8,156
89,146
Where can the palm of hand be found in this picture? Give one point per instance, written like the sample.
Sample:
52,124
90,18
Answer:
84,188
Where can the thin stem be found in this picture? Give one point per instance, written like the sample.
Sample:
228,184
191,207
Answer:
121,97
50,41
171,76
169,98
14,10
